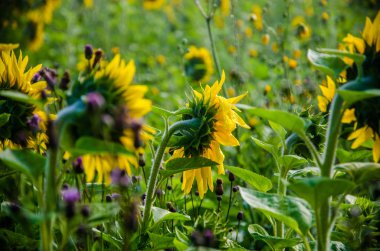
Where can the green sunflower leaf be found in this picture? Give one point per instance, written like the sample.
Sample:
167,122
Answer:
21,97
178,165
30,163
276,243
287,120
160,215
360,172
292,211
90,145
331,65
351,97
257,181
317,189
4,118
358,58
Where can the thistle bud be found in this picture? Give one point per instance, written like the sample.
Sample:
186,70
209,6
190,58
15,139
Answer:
219,187
70,195
170,207
78,165
240,215
231,177
37,77
108,198
34,123
95,101
209,238
120,178
98,56
64,85
235,189
88,51
141,160
85,211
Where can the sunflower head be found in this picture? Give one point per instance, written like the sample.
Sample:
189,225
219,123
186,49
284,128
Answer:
302,30
153,4
219,119
115,108
366,112
22,125
198,64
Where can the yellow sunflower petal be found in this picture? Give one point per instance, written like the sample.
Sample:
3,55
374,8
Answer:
349,116
376,149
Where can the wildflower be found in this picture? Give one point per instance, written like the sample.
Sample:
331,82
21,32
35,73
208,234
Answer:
257,17
198,64
25,124
267,89
303,31
275,47
153,4
8,47
253,53
219,120
297,53
265,39
115,112
292,63
88,3
325,16
366,111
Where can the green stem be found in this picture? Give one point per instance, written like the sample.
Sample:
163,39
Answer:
212,42
180,125
49,199
313,151
281,190
230,201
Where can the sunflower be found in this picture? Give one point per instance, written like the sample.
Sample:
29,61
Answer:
118,110
153,4
367,111
303,30
22,125
219,120
257,17
328,92
198,64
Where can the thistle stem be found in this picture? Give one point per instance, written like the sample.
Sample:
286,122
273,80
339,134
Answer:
230,202
180,125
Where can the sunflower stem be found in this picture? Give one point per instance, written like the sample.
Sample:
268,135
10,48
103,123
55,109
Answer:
180,125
